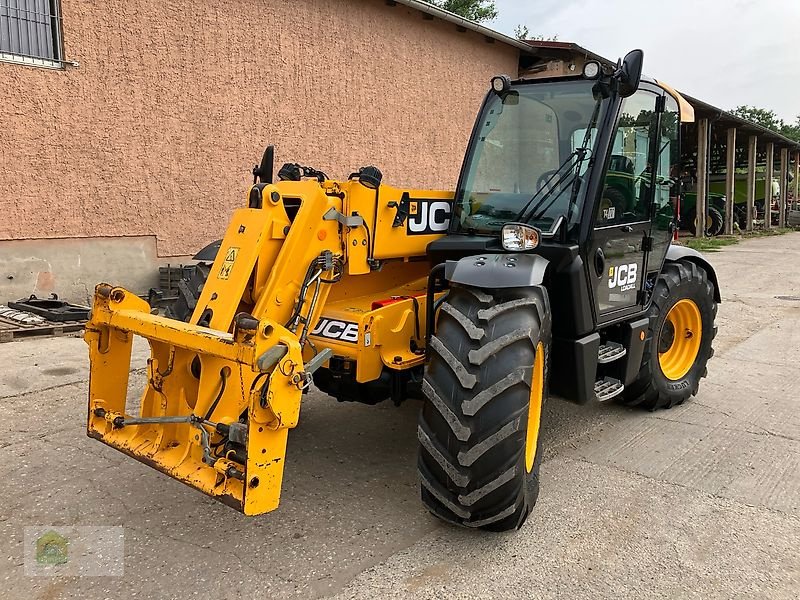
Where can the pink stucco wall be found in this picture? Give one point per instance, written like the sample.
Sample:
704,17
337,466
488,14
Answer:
154,134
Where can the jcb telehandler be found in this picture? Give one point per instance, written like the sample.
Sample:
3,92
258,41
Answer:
529,279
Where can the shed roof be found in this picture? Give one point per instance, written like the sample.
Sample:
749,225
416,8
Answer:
725,118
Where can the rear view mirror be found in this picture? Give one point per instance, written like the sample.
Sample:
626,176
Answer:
511,98
630,73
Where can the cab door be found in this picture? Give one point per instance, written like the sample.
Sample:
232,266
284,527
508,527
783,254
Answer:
621,237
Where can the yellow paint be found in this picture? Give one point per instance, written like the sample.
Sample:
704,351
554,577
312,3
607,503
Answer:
685,320
686,109
535,408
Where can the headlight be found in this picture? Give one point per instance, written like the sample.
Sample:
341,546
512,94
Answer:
518,237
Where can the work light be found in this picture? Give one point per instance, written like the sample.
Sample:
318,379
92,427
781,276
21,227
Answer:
591,69
501,84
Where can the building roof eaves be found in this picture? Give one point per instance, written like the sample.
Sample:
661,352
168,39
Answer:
460,21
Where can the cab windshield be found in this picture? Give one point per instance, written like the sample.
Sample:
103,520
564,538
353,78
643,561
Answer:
530,152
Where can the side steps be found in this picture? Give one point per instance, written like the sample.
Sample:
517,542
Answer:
609,352
594,368
607,388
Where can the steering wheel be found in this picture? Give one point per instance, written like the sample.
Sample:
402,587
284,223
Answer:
544,178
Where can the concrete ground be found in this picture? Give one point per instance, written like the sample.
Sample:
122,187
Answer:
699,501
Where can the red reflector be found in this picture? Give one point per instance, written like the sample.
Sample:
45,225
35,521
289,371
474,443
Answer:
394,300
386,302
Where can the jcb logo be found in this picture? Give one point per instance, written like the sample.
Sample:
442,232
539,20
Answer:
332,329
428,216
623,277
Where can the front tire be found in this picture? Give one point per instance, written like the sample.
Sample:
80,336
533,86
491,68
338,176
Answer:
479,427
674,360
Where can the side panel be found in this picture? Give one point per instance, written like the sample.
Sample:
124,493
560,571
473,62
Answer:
402,222
633,338
574,366
376,320
570,300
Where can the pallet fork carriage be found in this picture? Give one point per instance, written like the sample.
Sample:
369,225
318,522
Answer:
479,302
246,357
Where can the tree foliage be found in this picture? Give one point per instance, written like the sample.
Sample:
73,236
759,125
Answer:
792,130
761,116
521,32
770,120
474,10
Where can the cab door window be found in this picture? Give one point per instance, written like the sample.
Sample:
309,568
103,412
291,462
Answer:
667,175
627,189
668,166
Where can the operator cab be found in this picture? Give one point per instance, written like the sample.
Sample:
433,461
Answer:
585,161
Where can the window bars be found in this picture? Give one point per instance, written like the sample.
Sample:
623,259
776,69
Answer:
30,32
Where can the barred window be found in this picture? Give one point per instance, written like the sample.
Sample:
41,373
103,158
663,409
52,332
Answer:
30,32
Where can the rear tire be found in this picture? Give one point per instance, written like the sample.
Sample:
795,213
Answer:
478,461
652,389
740,216
716,222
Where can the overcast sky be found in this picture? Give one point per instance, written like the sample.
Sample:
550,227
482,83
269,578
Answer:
726,52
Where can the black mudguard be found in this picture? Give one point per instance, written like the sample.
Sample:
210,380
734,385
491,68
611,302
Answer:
209,253
494,271
676,253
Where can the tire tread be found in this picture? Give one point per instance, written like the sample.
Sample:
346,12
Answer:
473,425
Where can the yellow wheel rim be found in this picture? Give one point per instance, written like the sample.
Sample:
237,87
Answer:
534,408
679,339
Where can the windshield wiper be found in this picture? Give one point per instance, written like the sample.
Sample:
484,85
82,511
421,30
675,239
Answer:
581,152
568,162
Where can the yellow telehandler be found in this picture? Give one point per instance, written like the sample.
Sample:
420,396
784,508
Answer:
531,278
